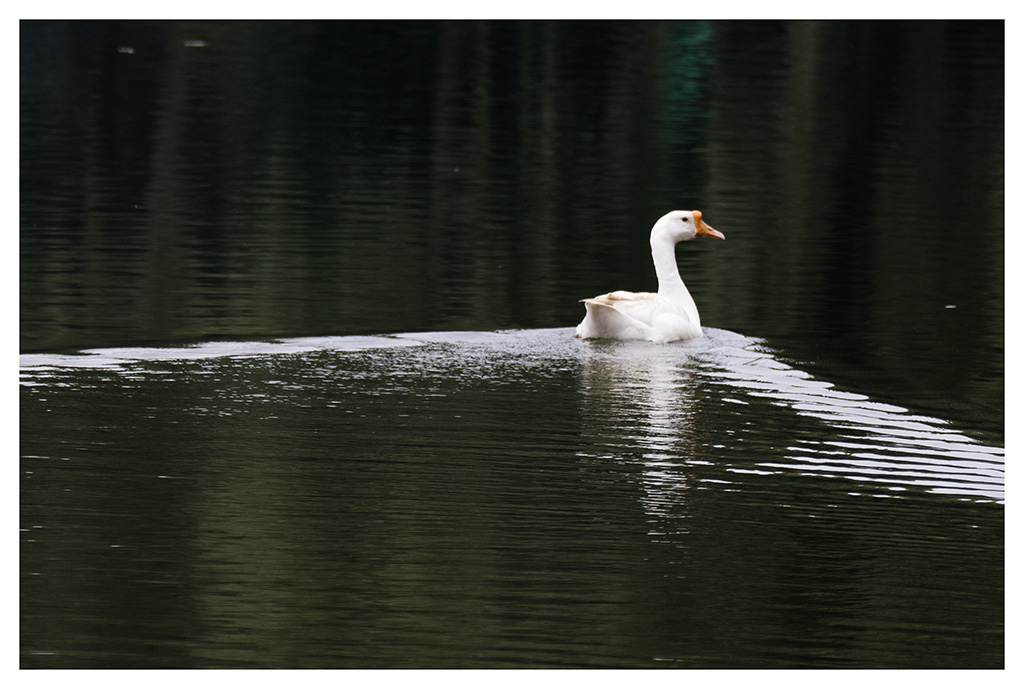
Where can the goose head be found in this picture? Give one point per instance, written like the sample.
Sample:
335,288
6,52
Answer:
682,226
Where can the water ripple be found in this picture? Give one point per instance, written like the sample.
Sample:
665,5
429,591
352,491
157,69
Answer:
873,442
657,403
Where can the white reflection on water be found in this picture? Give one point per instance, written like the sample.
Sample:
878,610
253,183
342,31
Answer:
640,402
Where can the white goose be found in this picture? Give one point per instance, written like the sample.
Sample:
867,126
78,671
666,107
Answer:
665,316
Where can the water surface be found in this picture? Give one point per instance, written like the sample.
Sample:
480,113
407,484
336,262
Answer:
516,499
298,381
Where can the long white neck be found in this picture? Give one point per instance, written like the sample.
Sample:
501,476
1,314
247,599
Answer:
670,285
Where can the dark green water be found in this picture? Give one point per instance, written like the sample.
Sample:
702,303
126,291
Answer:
230,458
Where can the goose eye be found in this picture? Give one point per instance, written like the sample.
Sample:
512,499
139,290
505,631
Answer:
686,220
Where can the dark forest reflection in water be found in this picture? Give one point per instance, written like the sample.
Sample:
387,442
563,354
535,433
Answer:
824,495
495,500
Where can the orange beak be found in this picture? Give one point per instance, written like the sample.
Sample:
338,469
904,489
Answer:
703,229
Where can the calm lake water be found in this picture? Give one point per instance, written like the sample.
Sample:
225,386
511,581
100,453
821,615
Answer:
300,387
